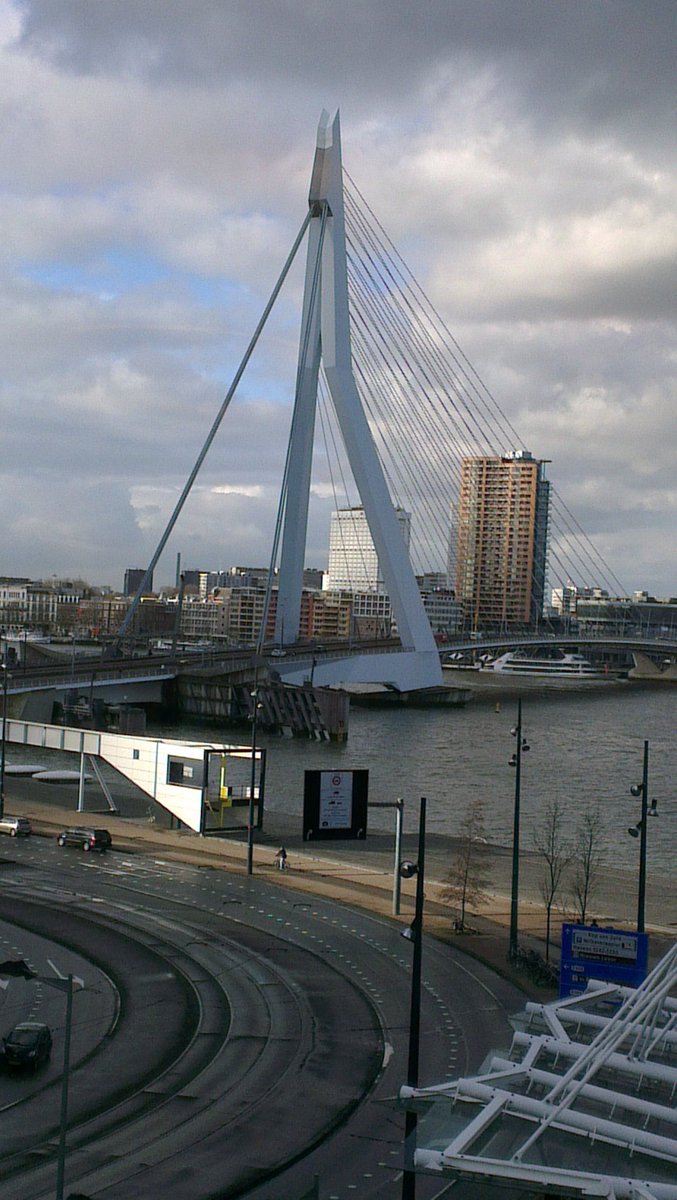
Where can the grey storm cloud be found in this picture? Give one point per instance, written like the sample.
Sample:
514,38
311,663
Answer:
155,162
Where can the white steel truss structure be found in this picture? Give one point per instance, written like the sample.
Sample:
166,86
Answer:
325,339
582,1105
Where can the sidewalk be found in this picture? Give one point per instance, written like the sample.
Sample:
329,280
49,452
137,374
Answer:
360,874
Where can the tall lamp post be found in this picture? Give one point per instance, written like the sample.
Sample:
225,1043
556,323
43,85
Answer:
64,985
415,934
3,736
252,783
639,830
516,762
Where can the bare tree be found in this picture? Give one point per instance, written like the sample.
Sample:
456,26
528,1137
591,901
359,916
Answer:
587,859
556,855
468,874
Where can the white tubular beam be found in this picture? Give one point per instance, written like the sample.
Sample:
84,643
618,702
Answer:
571,1121
592,1021
484,1118
591,1091
617,1062
582,1184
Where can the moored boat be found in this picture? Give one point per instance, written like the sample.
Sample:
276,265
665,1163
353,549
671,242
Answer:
517,669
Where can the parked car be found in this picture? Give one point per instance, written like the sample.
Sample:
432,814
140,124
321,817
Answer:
86,839
28,1045
15,826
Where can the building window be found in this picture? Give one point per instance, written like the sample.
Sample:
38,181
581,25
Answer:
184,772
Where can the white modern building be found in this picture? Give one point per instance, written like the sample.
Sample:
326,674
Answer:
353,562
563,599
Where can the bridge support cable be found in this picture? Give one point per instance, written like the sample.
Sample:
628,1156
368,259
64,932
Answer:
404,358
466,381
386,280
390,404
477,389
214,430
425,468
426,389
417,340
421,366
407,474
428,473
584,553
334,454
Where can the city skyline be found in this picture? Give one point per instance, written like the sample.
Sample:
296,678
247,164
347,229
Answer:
521,157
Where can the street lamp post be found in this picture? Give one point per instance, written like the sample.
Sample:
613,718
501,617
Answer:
252,784
398,805
639,830
18,969
516,762
3,736
65,985
415,933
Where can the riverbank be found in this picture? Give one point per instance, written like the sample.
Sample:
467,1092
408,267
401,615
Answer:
360,874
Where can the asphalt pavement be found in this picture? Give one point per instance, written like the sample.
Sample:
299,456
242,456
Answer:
360,873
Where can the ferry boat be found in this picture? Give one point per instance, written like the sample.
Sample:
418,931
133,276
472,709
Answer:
569,666
517,669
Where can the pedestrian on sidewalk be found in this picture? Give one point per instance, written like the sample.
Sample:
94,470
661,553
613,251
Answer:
281,859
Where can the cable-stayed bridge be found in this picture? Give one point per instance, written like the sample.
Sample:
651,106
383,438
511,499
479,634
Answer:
397,405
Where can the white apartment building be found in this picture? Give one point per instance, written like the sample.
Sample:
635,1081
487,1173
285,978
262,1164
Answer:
206,619
563,599
13,601
353,562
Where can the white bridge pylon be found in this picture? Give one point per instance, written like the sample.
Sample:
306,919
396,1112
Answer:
325,339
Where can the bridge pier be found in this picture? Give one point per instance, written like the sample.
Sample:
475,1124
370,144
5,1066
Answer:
301,711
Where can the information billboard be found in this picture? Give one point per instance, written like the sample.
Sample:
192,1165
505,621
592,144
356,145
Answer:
612,955
335,804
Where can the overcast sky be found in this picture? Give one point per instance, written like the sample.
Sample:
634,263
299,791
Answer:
155,167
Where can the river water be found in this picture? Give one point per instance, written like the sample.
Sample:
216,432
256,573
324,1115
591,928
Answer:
585,747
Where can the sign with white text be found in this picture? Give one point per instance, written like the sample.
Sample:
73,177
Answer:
612,955
335,804
336,799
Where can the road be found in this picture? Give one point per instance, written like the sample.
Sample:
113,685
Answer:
232,1038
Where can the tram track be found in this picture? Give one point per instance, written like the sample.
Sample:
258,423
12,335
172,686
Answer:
245,1019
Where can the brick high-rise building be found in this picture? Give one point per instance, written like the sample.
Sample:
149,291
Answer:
502,532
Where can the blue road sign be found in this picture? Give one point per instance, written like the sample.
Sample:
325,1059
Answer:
612,955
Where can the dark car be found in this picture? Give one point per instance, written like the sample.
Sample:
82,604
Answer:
15,826
86,839
28,1045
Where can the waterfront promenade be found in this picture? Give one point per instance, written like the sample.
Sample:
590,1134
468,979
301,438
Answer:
361,873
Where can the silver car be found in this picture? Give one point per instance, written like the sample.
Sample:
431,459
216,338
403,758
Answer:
16,826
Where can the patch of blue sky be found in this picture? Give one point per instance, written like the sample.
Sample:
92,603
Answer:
256,384
211,292
108,274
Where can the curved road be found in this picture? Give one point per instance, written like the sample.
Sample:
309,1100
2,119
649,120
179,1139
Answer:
231,1039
